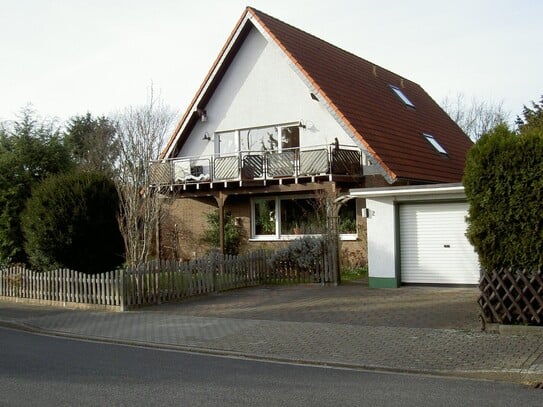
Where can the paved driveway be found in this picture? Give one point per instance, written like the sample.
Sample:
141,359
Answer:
352,304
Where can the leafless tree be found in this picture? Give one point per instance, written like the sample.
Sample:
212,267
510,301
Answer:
475,117
141,133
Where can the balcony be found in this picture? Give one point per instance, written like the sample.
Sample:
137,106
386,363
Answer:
262,167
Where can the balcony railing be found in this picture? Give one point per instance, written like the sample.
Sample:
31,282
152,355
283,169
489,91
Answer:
261,165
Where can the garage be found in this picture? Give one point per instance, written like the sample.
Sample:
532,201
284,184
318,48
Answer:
433,245
416,235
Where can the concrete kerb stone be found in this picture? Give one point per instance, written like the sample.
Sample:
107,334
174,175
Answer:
514,329
279,348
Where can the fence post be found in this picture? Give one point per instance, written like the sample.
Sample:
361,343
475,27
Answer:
215,269
121,288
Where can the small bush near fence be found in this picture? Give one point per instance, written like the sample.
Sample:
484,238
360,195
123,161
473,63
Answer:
301,259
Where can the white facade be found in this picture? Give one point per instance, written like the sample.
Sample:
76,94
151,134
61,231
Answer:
416,234
262,88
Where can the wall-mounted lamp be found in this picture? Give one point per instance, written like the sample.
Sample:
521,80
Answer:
206,136
367,213
301,124
202,114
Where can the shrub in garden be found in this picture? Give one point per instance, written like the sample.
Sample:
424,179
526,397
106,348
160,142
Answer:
232,233
71,221
504,185
304,254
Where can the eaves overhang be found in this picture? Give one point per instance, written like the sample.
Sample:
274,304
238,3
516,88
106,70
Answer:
398,193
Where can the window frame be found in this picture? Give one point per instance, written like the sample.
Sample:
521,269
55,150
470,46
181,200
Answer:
278,236
402,96
435,144
238,134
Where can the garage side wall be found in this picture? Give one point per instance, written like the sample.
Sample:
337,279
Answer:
382,243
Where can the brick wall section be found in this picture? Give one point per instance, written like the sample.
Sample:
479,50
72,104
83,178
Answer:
184,226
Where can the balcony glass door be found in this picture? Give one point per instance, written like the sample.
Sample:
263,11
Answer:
259,139
226,143
226,162
290,137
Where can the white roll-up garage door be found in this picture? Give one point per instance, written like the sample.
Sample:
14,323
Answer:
433,245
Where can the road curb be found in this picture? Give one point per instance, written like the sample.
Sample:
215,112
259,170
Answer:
520,376
514,329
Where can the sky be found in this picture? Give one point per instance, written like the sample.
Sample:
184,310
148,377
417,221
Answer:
69,57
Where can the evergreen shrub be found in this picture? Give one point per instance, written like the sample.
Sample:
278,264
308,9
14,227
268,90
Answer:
504,185
71,221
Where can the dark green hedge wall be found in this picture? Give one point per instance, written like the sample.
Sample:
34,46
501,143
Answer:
504,185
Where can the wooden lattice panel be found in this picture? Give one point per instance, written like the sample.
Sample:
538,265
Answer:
512,297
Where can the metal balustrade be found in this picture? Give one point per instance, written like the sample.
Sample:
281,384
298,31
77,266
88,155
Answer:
261,165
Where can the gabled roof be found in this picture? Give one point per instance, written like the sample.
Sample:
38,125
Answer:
359,94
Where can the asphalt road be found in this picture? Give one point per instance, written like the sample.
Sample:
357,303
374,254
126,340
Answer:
49,371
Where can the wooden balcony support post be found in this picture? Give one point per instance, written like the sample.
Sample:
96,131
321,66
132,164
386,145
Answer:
221,197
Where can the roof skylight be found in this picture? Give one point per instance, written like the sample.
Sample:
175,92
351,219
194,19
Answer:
432,140
402,96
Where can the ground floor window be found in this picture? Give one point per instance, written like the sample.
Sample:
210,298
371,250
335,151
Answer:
263,217
284,218
347,218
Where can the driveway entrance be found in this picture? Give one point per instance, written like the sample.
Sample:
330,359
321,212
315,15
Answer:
353,304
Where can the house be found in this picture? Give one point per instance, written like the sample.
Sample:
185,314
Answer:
284,122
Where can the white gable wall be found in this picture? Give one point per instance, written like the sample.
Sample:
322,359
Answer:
261,88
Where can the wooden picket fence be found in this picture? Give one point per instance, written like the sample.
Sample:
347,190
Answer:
62,286
512,297
156,282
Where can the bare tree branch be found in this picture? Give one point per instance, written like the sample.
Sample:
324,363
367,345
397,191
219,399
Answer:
476,117
141,133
